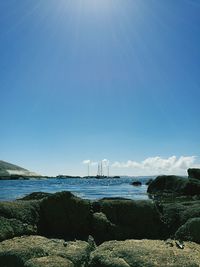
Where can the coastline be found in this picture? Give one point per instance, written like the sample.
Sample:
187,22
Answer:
63,230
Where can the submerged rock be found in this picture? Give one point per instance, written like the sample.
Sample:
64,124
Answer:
145,253
29,251
136,183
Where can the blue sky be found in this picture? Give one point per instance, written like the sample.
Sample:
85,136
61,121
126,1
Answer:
96,79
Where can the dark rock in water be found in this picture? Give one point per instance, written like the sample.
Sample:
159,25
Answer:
36,196
194,173
128,219
144,253
136,183
190,230
175,185
18,252
65,215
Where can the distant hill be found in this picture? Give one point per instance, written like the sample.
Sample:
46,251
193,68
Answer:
9,170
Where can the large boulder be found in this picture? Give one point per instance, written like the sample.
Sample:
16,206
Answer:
145,253
125,218
190,230
29,251
66,216
171,184
194,173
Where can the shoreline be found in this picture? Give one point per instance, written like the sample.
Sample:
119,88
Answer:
90,230
63,230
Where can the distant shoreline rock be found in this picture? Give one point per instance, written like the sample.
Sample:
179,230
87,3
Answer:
10,171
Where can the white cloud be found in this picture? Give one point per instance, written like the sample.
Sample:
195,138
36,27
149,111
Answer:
88,161
158,165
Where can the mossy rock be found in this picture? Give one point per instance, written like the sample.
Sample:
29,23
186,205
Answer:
25,211
19,250
194,173
36,196
132,219
12,227
49,261
102,228
65,215
190,231
172,184
145,253
174,214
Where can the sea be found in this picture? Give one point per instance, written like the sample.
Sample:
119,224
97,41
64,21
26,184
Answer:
84,188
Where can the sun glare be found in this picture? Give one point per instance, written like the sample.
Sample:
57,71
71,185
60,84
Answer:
97,6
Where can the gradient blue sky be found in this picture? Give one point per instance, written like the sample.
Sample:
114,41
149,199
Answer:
95,79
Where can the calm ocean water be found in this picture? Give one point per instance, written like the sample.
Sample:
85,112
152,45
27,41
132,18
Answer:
85,188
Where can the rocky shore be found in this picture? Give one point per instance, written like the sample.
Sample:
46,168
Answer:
60,230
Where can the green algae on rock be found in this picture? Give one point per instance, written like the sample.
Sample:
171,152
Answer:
194,173
12,227
17,251
49,261
145,253
189,231
65,215
172,184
